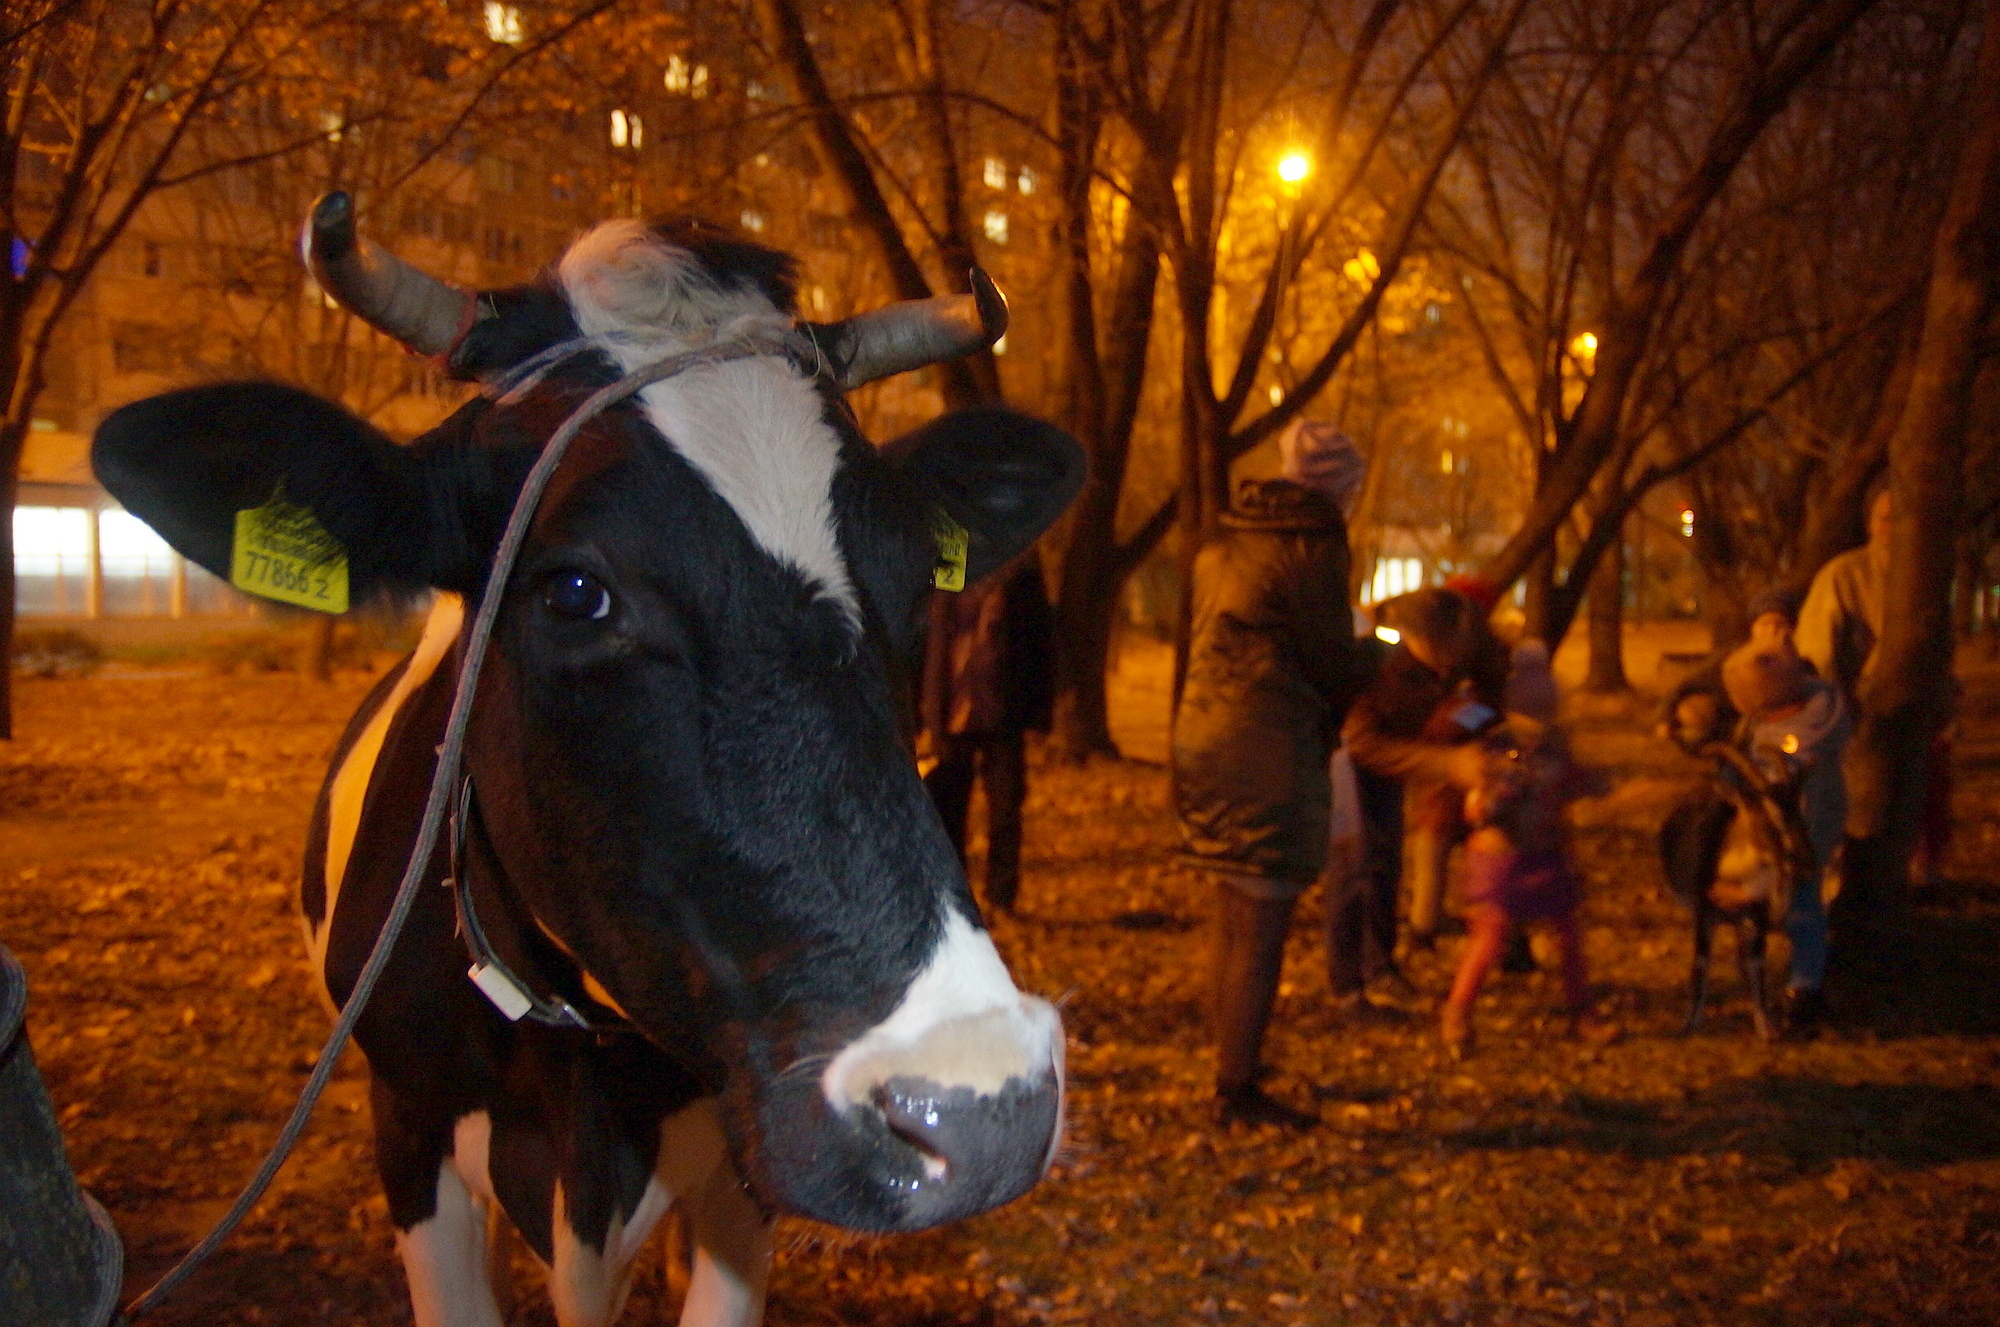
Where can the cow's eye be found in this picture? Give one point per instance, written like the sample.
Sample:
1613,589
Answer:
578,594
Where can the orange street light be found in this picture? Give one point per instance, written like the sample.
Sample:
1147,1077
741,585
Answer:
1294,166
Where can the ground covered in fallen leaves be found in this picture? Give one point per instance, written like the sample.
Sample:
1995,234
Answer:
149,835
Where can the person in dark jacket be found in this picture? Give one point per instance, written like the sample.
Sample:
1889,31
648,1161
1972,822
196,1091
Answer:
988,681
1272,664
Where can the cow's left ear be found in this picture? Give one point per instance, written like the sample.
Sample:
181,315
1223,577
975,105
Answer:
191,463
1002,476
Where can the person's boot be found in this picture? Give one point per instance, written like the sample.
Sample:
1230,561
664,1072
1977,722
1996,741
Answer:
1249,952
1455,1030
1253,1106
1805,1013
1519,955
1423,865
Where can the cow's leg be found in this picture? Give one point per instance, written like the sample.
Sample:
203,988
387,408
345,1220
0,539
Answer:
676,1263
589,1280
732,1255
1750,933
444,1257
1704,934
440,1219
732,1241
471,1157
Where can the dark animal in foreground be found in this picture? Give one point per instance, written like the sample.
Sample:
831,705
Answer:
690,830
1734,852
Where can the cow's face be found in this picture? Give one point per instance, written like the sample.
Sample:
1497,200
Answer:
686,746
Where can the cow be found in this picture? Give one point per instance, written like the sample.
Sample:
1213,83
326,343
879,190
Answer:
690,844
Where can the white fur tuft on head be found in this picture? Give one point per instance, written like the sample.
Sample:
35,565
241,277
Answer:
624,281
754,428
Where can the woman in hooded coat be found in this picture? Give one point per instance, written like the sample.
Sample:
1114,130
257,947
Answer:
1272,666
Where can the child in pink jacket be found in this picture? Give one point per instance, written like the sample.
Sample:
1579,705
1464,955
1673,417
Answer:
1517,867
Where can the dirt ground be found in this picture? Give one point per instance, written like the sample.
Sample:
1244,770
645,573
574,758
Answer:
149,835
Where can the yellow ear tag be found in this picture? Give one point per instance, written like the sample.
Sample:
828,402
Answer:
282,552
949,574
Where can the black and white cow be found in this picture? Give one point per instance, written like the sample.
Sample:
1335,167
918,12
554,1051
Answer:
690,814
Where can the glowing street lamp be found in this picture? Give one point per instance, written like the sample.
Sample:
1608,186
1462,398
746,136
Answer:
1294,166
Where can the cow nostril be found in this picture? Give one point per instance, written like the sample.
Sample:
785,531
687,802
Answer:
914,1122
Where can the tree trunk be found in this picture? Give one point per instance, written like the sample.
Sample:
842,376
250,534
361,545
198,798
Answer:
1906,698
319,648
1607,624
1540,588
1103,376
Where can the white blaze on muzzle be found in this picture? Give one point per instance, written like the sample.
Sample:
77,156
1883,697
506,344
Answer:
962,1024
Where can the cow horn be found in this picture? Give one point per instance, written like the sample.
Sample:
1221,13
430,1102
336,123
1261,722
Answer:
914,333
387,293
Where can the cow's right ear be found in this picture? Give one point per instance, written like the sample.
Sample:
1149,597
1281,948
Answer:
1000,475
188,462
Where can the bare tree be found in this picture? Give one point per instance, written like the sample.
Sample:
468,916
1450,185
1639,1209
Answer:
1774,51
1903,705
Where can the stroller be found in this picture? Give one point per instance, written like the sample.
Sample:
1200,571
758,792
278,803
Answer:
1734,850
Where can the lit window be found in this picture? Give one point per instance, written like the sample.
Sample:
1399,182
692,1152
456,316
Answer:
621,133
1394,576
503,24
128,546
996,173
638,133
1449,463
753,220
1277,394
1027,181
995,224
330,122
51,540
691,80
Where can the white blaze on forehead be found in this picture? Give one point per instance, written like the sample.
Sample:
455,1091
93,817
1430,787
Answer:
753,427
962,1023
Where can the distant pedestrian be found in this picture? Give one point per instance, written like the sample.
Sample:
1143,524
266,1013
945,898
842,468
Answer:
1517,867
988,681
1272,665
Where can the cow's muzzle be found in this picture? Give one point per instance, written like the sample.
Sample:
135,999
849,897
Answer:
907,1134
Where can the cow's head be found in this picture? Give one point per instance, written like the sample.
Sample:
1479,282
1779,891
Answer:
686,745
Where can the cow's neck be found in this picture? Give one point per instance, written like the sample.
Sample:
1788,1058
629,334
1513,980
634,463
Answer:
517,961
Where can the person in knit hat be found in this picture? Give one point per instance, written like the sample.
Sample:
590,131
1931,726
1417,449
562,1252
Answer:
1795,727
1272,663
1315,455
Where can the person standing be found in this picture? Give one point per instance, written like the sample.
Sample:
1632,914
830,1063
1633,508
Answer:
1272,663
1838,628
988,681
